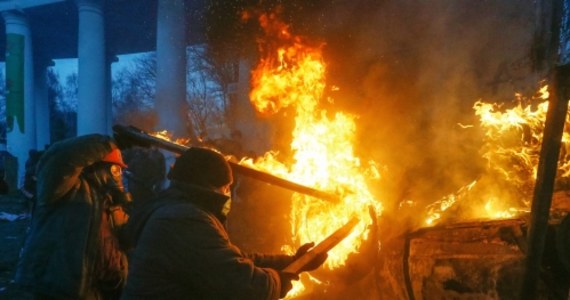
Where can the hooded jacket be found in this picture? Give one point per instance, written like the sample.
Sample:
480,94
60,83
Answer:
182,251
62,253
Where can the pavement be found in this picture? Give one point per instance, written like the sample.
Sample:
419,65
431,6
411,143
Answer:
14,220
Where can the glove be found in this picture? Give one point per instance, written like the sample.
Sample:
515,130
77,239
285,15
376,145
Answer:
286,284
316,262
303,249
313,264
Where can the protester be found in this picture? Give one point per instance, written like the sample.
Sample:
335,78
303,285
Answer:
4,187
146,174
72,250
4,165
182,249
29,187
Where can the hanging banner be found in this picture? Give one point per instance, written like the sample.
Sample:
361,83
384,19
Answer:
15,81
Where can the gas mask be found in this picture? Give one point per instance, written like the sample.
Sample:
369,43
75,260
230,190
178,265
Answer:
227,205
116,188
109,177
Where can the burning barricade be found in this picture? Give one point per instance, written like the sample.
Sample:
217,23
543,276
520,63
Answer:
473,243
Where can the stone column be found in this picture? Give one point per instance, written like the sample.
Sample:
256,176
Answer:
43,133
20,109
92,106
171,104
108,90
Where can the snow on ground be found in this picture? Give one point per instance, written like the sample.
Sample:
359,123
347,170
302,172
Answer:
14,218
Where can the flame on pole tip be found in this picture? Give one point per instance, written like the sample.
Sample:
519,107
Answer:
291,73
167,136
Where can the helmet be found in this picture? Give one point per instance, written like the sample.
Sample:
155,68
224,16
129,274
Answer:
114,157
203,167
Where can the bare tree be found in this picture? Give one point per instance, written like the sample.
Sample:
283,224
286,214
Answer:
62,105
206,90
134,92
143,77
70,91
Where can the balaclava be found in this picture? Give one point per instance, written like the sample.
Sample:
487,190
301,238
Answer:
205,169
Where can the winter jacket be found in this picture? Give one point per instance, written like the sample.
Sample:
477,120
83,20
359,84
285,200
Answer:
183,252
70,251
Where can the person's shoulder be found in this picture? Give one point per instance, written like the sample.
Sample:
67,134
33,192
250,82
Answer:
179,209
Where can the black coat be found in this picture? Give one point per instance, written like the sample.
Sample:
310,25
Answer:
183,252
64,243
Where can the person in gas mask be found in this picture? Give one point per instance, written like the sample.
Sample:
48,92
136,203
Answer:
182,249
73,248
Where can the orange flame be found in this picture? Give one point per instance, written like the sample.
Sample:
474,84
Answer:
167,136
293,75
513,137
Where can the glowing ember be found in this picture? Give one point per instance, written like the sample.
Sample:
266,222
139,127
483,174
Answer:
436,209
493,210
323,156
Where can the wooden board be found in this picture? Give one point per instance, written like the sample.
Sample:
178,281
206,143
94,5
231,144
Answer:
327,244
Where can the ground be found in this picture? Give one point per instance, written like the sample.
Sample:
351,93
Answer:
14,220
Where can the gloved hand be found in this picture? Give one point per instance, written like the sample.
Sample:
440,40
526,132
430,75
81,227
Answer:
303,249
316,262
286,284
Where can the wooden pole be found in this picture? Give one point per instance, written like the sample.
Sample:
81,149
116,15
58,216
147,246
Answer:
546,175
141,137
324,246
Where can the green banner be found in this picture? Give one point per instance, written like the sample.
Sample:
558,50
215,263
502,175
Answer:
15,80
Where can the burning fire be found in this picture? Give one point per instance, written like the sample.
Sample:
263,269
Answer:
512,140
437,208
167,136
293,75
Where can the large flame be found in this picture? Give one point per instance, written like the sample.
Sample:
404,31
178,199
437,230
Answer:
293,75
512,140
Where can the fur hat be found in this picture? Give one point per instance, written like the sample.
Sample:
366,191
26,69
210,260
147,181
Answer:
203,167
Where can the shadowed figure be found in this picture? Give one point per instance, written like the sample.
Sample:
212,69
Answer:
146,173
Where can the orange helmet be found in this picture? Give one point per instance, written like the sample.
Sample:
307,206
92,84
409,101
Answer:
115,157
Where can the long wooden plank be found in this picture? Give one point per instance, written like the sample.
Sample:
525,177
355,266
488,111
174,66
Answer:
324,246
146,139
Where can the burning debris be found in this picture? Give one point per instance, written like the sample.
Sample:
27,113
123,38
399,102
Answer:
511,147
474,242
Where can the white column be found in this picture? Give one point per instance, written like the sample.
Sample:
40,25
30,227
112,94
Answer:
92,100
19,84
171,104
108,90
43,137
